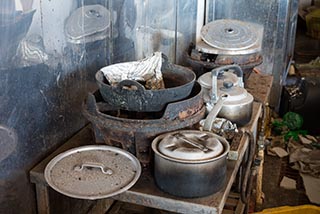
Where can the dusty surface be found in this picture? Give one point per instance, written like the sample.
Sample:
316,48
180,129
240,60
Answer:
275,195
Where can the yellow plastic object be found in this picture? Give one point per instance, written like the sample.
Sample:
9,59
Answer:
313,23
303,209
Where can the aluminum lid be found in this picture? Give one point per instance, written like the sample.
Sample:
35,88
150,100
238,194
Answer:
205,79
93,172
190,145
229,34
88,23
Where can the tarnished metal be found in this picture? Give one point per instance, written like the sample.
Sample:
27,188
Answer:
131,95
192,175
92,172
229,36
204,62
134,131
237,103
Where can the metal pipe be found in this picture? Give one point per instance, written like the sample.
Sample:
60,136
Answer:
200,18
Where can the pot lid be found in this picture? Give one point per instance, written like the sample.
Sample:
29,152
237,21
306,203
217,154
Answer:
190,145
93,172
229,34
205,80
89,22
236,95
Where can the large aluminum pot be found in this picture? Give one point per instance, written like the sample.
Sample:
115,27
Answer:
190,163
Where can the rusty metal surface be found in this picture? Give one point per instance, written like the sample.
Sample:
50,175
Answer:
178,83
146,193
202,62
134,131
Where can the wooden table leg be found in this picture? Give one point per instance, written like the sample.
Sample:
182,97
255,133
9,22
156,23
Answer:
42,192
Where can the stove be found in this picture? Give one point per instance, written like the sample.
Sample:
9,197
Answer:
227,42
134,131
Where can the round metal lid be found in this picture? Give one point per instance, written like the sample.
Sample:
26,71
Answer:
229,34
205,79
93,172
90,21
190,145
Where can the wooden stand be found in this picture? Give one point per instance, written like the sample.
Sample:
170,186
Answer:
144,192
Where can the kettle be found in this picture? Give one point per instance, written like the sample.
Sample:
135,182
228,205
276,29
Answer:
205,81
228,100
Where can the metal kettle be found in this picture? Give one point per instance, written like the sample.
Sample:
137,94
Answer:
229,101
205,81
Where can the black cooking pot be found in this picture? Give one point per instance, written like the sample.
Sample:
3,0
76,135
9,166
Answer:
178,81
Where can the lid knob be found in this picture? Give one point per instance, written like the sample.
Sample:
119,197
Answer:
93,13
228,84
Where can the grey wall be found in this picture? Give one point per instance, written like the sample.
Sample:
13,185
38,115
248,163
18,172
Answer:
40,100
279,18
37,113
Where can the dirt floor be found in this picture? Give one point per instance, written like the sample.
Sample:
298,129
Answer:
275,196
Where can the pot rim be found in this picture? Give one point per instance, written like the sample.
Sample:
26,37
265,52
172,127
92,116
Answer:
191,79
224,142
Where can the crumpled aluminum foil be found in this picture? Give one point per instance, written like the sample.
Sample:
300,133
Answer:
147,70
221,125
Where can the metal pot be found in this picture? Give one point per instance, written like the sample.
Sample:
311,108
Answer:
178,80
190,163
231,102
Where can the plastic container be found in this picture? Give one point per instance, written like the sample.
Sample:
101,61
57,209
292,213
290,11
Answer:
305,209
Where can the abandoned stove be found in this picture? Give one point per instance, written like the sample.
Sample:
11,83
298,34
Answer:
127,131
227,42
133,127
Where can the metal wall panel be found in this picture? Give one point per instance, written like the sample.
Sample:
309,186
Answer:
42,86
279,19
41,96
146,26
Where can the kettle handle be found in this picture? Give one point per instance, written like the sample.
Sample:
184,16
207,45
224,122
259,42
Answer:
215,72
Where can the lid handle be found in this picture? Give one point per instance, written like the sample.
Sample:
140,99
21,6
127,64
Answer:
191,142
103,169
